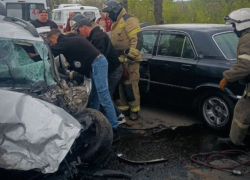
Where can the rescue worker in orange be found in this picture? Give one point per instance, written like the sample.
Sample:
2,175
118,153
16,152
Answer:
127,38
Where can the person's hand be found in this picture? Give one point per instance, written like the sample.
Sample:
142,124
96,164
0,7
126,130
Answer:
223,83
33,55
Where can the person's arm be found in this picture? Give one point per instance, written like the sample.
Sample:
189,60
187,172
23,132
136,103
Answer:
241,68
133,30
53,25
59,48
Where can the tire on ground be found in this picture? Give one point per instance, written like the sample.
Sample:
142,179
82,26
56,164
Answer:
223,98
100,146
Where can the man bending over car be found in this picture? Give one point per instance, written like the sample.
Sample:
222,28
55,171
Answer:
86,60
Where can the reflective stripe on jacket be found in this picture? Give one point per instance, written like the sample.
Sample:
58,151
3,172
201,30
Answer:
126,35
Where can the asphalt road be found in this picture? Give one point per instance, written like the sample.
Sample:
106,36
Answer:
173,134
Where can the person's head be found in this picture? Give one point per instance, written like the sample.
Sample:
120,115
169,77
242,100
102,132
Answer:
71,14
83,25
53,36
240,20
43,15
104,15
112,8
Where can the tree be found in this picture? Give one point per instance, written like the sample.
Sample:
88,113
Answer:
158,11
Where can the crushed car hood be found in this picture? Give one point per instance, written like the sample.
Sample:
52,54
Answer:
34,134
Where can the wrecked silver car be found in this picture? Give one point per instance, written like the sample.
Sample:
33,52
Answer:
34,132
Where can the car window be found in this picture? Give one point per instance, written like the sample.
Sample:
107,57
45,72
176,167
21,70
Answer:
188,51
90,15
227,42
57,16
34,10
20,67
148,42
175,45
14,10
26,11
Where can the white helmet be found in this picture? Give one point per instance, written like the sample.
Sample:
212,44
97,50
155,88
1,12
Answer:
240,17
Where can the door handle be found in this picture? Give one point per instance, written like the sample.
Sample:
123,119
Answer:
185,67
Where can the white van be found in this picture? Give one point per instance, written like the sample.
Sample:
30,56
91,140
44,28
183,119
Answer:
60,16
25,9
67,5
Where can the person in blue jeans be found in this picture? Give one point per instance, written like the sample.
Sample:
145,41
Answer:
100,92
85,59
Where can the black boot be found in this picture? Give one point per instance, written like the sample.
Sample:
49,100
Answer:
116,135
134,116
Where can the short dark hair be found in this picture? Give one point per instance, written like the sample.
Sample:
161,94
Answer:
53,32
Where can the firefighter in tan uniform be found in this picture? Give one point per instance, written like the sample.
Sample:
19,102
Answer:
240,71
127,38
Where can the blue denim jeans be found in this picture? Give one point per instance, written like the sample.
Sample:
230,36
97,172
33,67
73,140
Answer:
100,91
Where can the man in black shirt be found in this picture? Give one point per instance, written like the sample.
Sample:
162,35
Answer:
43,20
85,59
102,42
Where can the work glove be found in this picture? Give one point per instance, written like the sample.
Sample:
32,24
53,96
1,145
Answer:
223,83
76,77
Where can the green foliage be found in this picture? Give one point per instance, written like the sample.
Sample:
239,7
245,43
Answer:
193,11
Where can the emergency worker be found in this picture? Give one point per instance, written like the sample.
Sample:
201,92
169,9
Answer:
240,71
85,59
102,42
127,38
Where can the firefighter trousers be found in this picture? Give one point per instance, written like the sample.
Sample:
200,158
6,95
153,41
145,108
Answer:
241,120
129,95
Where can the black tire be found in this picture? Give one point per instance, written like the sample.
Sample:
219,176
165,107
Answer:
216,110
100,140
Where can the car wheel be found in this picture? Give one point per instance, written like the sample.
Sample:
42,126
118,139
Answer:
94,144
216,110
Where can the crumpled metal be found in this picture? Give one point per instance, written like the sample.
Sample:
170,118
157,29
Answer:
34,134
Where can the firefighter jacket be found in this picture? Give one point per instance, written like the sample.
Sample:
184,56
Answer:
241,69
126,35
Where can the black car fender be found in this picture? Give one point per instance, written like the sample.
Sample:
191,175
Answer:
206,87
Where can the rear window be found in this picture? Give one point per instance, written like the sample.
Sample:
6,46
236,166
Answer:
26,11
227,43
90,15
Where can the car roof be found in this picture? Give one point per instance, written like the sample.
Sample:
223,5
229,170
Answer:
12,30
77,8
207,28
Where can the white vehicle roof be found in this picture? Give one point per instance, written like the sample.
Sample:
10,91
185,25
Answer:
77,8
14,31
68,5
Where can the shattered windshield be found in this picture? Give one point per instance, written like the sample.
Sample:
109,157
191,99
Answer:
24,63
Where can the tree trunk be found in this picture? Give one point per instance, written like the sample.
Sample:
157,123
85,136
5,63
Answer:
125,4
158,11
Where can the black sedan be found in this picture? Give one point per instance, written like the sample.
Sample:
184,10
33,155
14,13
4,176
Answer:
183,65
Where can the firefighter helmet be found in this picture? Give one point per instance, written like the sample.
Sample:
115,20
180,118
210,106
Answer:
239,18
113,8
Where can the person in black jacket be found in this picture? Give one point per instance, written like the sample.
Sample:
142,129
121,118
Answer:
102,42
85,59
43,20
